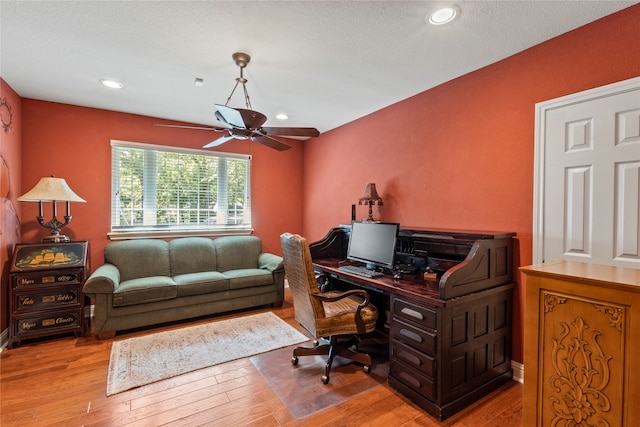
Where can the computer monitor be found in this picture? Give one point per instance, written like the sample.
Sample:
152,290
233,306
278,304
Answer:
373,243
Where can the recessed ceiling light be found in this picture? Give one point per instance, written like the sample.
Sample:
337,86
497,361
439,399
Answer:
282,116
444,15
111,83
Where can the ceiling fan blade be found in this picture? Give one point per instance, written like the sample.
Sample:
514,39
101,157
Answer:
270,142
190,127
311,132
219,141
230,116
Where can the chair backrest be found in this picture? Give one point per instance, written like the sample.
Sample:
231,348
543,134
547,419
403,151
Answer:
298,268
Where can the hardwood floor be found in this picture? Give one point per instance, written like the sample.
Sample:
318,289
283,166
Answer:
62,382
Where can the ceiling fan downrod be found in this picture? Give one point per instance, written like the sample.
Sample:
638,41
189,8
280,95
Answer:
241,59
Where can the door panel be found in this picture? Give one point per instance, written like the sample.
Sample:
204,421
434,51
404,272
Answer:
588,177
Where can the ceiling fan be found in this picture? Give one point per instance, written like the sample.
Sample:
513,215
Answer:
246,123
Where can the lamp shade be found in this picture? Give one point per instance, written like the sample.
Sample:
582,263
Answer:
370,194
51,189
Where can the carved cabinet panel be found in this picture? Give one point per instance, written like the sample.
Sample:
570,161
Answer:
582,360
581,338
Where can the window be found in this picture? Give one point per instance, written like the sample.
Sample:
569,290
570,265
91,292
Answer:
168,191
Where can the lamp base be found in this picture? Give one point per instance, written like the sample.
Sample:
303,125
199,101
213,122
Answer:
55,238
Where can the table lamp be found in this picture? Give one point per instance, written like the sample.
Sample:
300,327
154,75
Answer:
370,197
51,189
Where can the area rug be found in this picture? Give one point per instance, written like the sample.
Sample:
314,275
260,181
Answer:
143,360
300,388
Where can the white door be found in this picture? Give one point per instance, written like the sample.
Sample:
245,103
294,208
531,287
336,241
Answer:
587,196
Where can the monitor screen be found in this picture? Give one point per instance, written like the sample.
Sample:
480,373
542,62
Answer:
373,243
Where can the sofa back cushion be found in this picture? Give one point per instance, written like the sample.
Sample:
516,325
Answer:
139,258
192,255
237,252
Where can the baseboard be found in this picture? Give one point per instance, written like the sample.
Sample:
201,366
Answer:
518,371
89,310
4,339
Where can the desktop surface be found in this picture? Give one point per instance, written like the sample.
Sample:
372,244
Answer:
411,285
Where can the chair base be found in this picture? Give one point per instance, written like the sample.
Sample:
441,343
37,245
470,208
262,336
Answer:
333,349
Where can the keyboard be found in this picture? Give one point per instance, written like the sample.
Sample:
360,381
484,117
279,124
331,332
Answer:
360,271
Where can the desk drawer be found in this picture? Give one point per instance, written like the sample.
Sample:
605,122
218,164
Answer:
51,322
413,358
423,316
413,379
54,298
414,337
47,278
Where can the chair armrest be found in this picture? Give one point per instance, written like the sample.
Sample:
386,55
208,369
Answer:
336,296
270,262
323,282
105,280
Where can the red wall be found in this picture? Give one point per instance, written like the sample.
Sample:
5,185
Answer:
73,143
461,155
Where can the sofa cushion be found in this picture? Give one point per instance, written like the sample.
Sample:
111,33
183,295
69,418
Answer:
237,252
201,283
139,258
143,290
248,278
192,255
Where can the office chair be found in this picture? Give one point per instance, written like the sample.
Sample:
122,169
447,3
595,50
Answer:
335,315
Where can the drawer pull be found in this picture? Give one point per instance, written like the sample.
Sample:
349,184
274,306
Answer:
412,313
410,380
411,335
408,357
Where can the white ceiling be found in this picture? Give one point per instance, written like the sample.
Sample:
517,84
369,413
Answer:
324,63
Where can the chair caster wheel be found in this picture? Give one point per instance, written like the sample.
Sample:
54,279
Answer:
294,360
325,379
366,369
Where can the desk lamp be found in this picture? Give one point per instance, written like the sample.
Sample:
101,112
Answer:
370,197
51,189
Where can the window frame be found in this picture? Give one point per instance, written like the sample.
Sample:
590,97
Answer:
217,230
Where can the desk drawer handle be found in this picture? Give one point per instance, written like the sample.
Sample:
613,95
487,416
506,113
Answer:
408,357
410,380
411,335
412,313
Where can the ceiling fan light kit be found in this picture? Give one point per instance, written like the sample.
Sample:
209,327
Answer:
247,123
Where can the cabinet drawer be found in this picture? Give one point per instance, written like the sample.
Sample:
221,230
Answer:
414,337
413,379
48,278
413,358
423,316
52,322
54,298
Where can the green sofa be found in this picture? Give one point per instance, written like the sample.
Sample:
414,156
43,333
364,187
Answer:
147,281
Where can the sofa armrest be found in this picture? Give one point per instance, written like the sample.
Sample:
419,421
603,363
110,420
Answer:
270,262
105,280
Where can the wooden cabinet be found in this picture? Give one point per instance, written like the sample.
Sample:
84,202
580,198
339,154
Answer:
46,290
582,341
446,356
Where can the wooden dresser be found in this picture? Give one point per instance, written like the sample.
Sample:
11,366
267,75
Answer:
45,293
582,345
